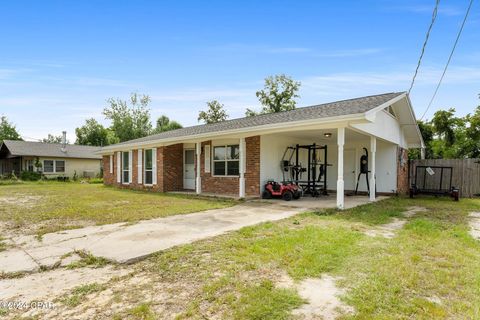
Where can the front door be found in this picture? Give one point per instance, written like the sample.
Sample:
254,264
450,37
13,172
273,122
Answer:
189,169
349,169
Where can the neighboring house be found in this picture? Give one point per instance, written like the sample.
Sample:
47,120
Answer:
237,157
56,159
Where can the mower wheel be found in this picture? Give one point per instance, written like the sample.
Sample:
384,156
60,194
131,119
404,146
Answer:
266,195
287,195
297,195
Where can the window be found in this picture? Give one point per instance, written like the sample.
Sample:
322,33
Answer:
226,160
48,166
148,166
125,167
53,166
29,165
60,166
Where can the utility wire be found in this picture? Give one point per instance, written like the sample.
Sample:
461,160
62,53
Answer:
434,17
449,59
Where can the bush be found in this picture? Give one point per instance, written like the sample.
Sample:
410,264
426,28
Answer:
95,181
30,176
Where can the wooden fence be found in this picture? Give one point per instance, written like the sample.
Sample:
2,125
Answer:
465,174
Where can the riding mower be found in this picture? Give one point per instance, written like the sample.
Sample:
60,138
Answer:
287,191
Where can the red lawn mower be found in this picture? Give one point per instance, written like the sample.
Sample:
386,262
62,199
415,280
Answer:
286,191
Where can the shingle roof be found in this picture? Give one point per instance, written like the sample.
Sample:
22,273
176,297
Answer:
326,110
40,149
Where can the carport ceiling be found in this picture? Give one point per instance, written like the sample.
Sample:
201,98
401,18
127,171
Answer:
318,135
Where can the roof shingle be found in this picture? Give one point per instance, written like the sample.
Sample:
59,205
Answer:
326,110
40,149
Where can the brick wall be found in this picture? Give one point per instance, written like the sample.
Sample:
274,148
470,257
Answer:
216,185
170,171
402,171
108,178
172,167
252,173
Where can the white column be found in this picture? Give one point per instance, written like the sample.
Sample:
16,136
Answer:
422,153
241,188
198,184
373,151
340,182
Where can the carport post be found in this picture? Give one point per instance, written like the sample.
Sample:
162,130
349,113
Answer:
373,151
242,155
340,183
198,184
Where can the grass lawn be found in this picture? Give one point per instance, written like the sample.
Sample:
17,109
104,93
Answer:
430,270
41,207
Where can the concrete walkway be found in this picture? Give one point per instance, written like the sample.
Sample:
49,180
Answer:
125,243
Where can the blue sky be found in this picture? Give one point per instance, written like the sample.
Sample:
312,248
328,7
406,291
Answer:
61,60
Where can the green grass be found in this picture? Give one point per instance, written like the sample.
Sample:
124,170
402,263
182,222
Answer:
78,294
433,258
52,206
88,260
429,270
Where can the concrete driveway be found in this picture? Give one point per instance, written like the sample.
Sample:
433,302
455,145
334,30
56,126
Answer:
126,243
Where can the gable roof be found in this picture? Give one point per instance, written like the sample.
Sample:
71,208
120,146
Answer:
326,110
40,149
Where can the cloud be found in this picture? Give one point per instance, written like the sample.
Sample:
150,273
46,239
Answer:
426,9
265,49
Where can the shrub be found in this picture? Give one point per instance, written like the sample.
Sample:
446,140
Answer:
30,176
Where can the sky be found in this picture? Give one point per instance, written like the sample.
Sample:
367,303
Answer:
61,60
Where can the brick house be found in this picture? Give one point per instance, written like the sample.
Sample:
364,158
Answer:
237,157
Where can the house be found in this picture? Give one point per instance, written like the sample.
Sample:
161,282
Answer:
52,159
237,157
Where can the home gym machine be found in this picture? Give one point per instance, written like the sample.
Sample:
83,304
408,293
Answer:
364,170
316,170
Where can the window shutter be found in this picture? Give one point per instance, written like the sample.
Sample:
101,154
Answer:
207,159
154,166
119,167
139,166
130,172
111,164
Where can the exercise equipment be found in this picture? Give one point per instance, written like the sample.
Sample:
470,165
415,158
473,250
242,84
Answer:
363,170
316,170
436,180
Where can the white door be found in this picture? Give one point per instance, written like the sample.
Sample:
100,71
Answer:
189,169
349,162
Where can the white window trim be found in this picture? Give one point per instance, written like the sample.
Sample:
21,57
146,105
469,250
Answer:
111,164
129,168
225,160
55,166
140,177
145,168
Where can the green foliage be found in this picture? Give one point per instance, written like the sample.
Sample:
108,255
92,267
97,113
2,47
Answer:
7,130
93,133
53,139
215,113
129,120
278,95
165,124
142,312
30,176
447,136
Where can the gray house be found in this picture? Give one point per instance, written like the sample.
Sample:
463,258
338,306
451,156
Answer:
55,159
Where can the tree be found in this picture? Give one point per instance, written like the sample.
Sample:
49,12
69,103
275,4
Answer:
278,95
129,121
93,133
215,113
8,131
53,139
165,124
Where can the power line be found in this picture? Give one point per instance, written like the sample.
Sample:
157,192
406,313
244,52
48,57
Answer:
449,58
434,17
